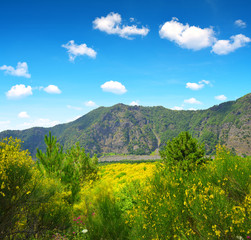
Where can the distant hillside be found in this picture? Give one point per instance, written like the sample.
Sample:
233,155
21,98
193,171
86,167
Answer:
142,130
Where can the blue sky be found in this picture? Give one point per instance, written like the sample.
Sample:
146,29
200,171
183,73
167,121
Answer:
61,59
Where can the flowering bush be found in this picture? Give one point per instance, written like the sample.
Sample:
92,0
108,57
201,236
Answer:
17,184
126,201
30,204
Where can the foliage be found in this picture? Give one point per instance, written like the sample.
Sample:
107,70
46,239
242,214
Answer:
105,219
106,201
212,203
71,168
78,168
122,201
85,165
52,159
17,184
183,151
51,211
30,204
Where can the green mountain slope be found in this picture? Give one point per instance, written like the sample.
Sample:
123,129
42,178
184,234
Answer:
142,130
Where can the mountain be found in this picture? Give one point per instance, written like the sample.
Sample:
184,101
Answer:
142,130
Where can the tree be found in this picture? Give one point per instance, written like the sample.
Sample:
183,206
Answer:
183,151
72,168
52,159
78,167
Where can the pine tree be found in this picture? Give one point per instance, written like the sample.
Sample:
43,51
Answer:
183,151
52,159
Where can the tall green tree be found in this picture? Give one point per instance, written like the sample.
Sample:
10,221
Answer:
77,168
52,159
183,151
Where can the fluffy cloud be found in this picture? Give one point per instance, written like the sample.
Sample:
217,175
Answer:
194,86
197,86
19,91
75,50
23,115
240,23
192,101
73,107
20,71
134,103
90,104
177,108
112,24
220,98
52,89
113,87
190,37
41,122
223,47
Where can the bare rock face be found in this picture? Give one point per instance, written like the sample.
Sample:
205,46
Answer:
122,130
238,136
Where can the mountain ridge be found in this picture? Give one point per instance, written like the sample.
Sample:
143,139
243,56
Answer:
142,130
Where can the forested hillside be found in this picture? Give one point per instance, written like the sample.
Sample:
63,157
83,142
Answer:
142,130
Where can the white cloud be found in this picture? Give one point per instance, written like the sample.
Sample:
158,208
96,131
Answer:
113,87
220,98
194,86
177,108
190,37
240,23
90,104
223,47
192,109
41,122
134,103
20,71
75,50
197,86
73,107
112,24
205,81
52,89
23,115
19,91
192,101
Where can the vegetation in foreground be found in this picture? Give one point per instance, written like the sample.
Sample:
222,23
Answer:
66,195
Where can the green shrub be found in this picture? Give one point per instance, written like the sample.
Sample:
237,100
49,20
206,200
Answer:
105,220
